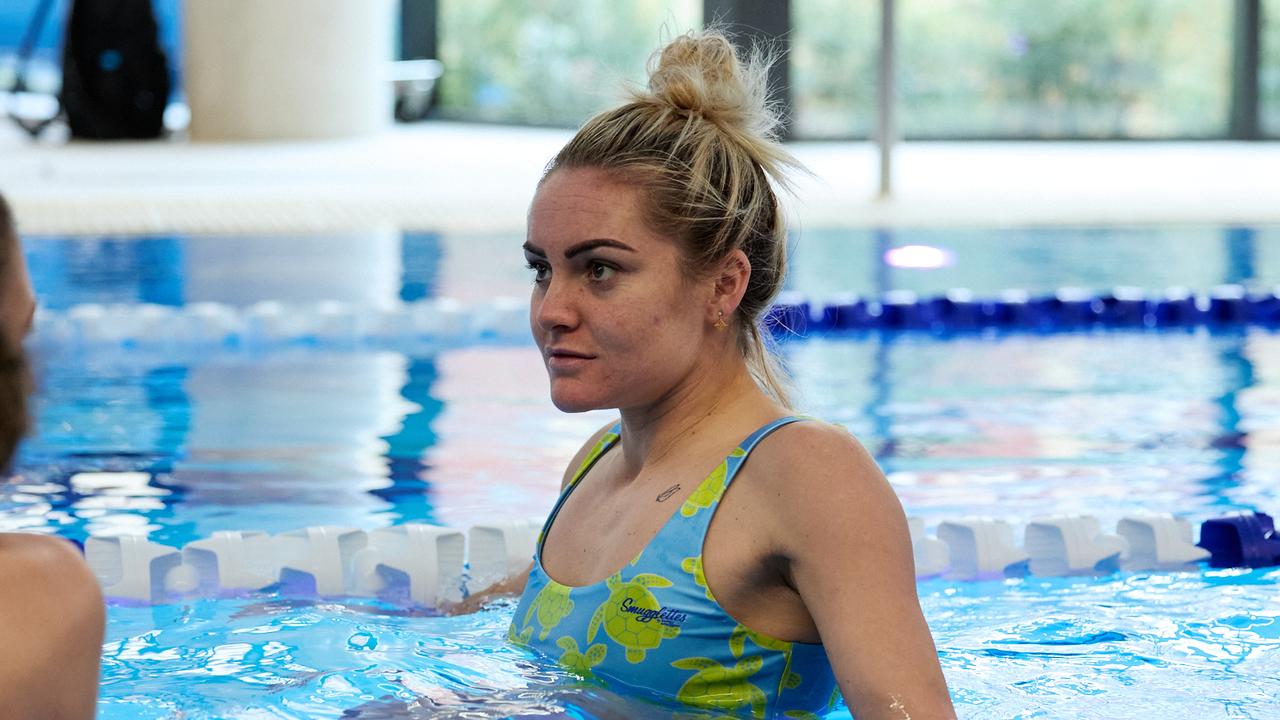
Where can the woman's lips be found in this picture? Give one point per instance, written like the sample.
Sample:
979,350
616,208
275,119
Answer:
567,359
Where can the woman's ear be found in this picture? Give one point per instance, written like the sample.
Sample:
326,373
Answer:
731,282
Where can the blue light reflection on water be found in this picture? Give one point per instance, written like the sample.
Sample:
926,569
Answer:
1128,645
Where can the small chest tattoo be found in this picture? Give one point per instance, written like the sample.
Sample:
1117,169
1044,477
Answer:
668,493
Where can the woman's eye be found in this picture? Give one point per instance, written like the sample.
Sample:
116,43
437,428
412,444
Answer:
540,272
600,271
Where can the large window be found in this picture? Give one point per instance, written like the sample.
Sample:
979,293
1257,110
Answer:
550,62
1012,68
1269,73
834,46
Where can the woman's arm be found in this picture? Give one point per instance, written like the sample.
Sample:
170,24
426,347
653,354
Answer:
844,531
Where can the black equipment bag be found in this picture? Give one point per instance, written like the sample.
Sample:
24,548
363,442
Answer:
115,77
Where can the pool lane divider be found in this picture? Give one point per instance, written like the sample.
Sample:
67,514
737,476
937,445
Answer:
1066,309
336,324
431,566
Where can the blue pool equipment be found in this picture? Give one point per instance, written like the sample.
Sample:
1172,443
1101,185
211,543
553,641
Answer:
425,560
323,555
1070,307
1125,307
1071,545
1228,305
134,568
1177,307
500,550
232,560
932,557
982,549
1158,542
1246,539
901,310
1265,309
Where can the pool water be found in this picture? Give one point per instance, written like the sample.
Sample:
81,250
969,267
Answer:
1005,425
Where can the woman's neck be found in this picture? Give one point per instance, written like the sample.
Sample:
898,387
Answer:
683,415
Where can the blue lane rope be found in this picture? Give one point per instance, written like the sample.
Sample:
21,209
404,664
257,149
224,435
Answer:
506,319
1067,309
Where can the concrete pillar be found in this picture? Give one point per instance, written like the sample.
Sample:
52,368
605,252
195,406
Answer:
288,69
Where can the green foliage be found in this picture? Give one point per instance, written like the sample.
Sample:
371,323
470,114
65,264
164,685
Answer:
549,62
1269,73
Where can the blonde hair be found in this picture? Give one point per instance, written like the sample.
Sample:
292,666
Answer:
700,143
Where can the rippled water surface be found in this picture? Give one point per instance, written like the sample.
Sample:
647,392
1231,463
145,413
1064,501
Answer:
1009,426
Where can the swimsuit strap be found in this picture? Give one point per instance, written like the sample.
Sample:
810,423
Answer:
739,456
602,446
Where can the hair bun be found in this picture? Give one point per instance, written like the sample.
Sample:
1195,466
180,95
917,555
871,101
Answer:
702,74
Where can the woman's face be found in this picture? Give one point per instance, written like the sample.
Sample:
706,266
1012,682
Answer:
17,302
617,323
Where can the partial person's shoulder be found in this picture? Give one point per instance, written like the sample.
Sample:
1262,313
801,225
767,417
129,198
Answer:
585,452
48,566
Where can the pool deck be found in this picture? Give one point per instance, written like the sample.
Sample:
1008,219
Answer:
460,178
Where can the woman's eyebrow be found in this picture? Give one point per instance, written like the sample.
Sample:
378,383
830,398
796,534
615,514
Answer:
581,247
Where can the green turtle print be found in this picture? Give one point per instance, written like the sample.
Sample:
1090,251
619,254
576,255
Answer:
631,615
519,638
578,661
712,488
738,643
693,566
717,687
551,605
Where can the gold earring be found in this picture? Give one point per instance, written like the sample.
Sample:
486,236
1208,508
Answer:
720,323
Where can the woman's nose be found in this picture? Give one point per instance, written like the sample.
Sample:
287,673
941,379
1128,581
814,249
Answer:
555,308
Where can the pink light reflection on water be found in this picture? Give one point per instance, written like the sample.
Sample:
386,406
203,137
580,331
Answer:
501,445
921,257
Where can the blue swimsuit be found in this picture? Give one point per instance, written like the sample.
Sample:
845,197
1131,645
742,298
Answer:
654,626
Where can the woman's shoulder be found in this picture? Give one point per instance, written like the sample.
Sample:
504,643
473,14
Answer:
803,462
584,452
819,473
811,443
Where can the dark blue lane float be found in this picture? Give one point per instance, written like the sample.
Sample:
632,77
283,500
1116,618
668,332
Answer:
1065,309
1246,539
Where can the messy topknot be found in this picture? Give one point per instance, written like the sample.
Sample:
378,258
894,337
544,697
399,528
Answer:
700,143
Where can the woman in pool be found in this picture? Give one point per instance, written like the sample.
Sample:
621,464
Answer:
51,614
710,547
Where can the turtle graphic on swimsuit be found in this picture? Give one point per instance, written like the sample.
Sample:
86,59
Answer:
519,638
628,629
711,489
578,661
552,605
715,686
738,643
693,566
